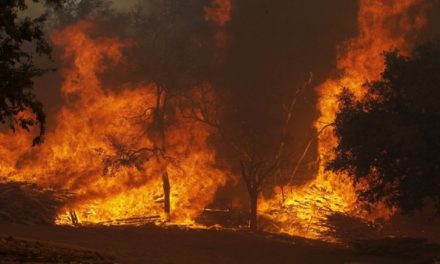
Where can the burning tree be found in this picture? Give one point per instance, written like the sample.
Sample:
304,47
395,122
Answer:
106,145
173,62
258,163
255,172
164,74
359,59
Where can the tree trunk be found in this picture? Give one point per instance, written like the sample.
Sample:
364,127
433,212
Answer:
166,192
283,196
74,218
253,225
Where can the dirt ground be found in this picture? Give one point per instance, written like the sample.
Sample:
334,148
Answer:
180,246
17,250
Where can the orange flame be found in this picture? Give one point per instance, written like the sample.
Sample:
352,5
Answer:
383,26
97,124
96,149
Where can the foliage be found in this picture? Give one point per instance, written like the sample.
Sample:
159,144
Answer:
17,66
391,137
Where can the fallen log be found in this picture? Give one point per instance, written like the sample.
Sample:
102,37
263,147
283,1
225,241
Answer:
143,220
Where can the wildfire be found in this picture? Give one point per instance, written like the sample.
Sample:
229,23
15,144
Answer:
383,26
100,148
103,152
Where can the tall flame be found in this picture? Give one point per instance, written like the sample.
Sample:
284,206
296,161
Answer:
99,147
383,26
96,148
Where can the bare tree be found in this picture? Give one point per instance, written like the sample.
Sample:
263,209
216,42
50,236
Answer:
158,131
169,58
257,166
255,172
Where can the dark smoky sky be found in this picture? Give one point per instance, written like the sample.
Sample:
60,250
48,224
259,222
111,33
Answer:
273,47
272,43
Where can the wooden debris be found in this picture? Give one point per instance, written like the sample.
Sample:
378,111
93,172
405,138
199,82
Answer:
136,221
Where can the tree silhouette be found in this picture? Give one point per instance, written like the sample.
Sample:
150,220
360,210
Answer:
259,162
174,62
17,66
391,137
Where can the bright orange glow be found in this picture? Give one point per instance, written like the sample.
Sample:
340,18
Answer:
96,124
99,148
383,26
